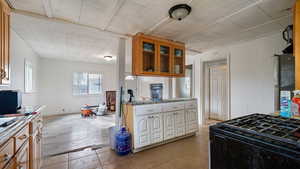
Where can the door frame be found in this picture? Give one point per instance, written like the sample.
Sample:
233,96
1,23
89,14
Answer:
205,90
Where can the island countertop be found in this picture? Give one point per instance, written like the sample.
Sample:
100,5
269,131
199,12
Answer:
159,102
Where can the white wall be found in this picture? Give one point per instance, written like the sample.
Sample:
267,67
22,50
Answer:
56,85
19,52
251,74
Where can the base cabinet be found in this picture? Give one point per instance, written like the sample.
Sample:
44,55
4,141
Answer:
22,158
191,120
179,118
157,124
169,125
174,124
149,130
36,151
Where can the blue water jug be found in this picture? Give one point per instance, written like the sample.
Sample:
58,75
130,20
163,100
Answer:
123,142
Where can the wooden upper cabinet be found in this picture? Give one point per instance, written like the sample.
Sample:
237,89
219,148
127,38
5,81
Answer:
4,43
153,56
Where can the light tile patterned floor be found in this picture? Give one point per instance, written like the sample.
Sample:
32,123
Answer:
189,153
68,132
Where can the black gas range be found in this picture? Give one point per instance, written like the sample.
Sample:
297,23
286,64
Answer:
256,141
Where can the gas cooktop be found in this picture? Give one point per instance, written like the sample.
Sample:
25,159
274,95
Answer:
271,129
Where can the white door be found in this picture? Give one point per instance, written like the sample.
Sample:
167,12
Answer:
218,92
191,120
142,131
156,128
169,128
179,120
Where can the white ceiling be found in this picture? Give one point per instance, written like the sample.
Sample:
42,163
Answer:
211,23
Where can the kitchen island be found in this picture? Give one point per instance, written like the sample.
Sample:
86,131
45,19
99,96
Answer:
20,141
155,123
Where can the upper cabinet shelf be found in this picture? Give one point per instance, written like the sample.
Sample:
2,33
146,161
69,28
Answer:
153,56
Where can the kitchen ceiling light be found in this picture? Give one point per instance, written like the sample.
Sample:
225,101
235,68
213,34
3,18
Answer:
180,11
108,58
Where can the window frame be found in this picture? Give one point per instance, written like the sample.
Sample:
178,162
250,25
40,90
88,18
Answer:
88,84
28,64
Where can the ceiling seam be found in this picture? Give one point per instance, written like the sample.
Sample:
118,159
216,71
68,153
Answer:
118,6
254,27
55,19
220,20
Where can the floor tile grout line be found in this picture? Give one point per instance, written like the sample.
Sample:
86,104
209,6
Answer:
98,157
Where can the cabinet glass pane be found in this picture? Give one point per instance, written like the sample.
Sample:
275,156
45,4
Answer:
148,57
178,61
164,53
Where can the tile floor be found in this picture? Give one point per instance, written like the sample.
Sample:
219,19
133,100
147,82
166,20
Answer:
69,132
189,153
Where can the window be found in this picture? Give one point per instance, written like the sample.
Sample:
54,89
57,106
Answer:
86,83
28,77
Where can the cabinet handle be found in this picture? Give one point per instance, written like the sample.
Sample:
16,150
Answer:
2,74
24,136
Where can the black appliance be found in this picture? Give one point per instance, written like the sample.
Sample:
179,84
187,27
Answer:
256,141
131,96
286,74
10,101
287,35
156,92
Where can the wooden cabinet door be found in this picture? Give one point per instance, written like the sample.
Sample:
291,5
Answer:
156,128
148,55
164,58
178,61
23,157
179,121
5,33
142,131
191,120
169,126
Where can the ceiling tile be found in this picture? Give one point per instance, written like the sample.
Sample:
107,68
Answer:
97,12
249,17
30,5
276,8
67,9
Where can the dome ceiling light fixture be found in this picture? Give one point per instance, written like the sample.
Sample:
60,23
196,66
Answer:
108,58
180,11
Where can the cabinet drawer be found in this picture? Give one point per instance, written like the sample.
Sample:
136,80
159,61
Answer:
172,107
191,105
21,137
148,109
6,152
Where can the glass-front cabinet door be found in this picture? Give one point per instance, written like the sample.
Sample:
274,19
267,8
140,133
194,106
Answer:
164,58
178,60
148,56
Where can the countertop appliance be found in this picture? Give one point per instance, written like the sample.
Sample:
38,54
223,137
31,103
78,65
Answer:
256,141
287,35
156,92
11,101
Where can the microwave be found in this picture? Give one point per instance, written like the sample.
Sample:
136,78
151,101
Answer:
10,101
